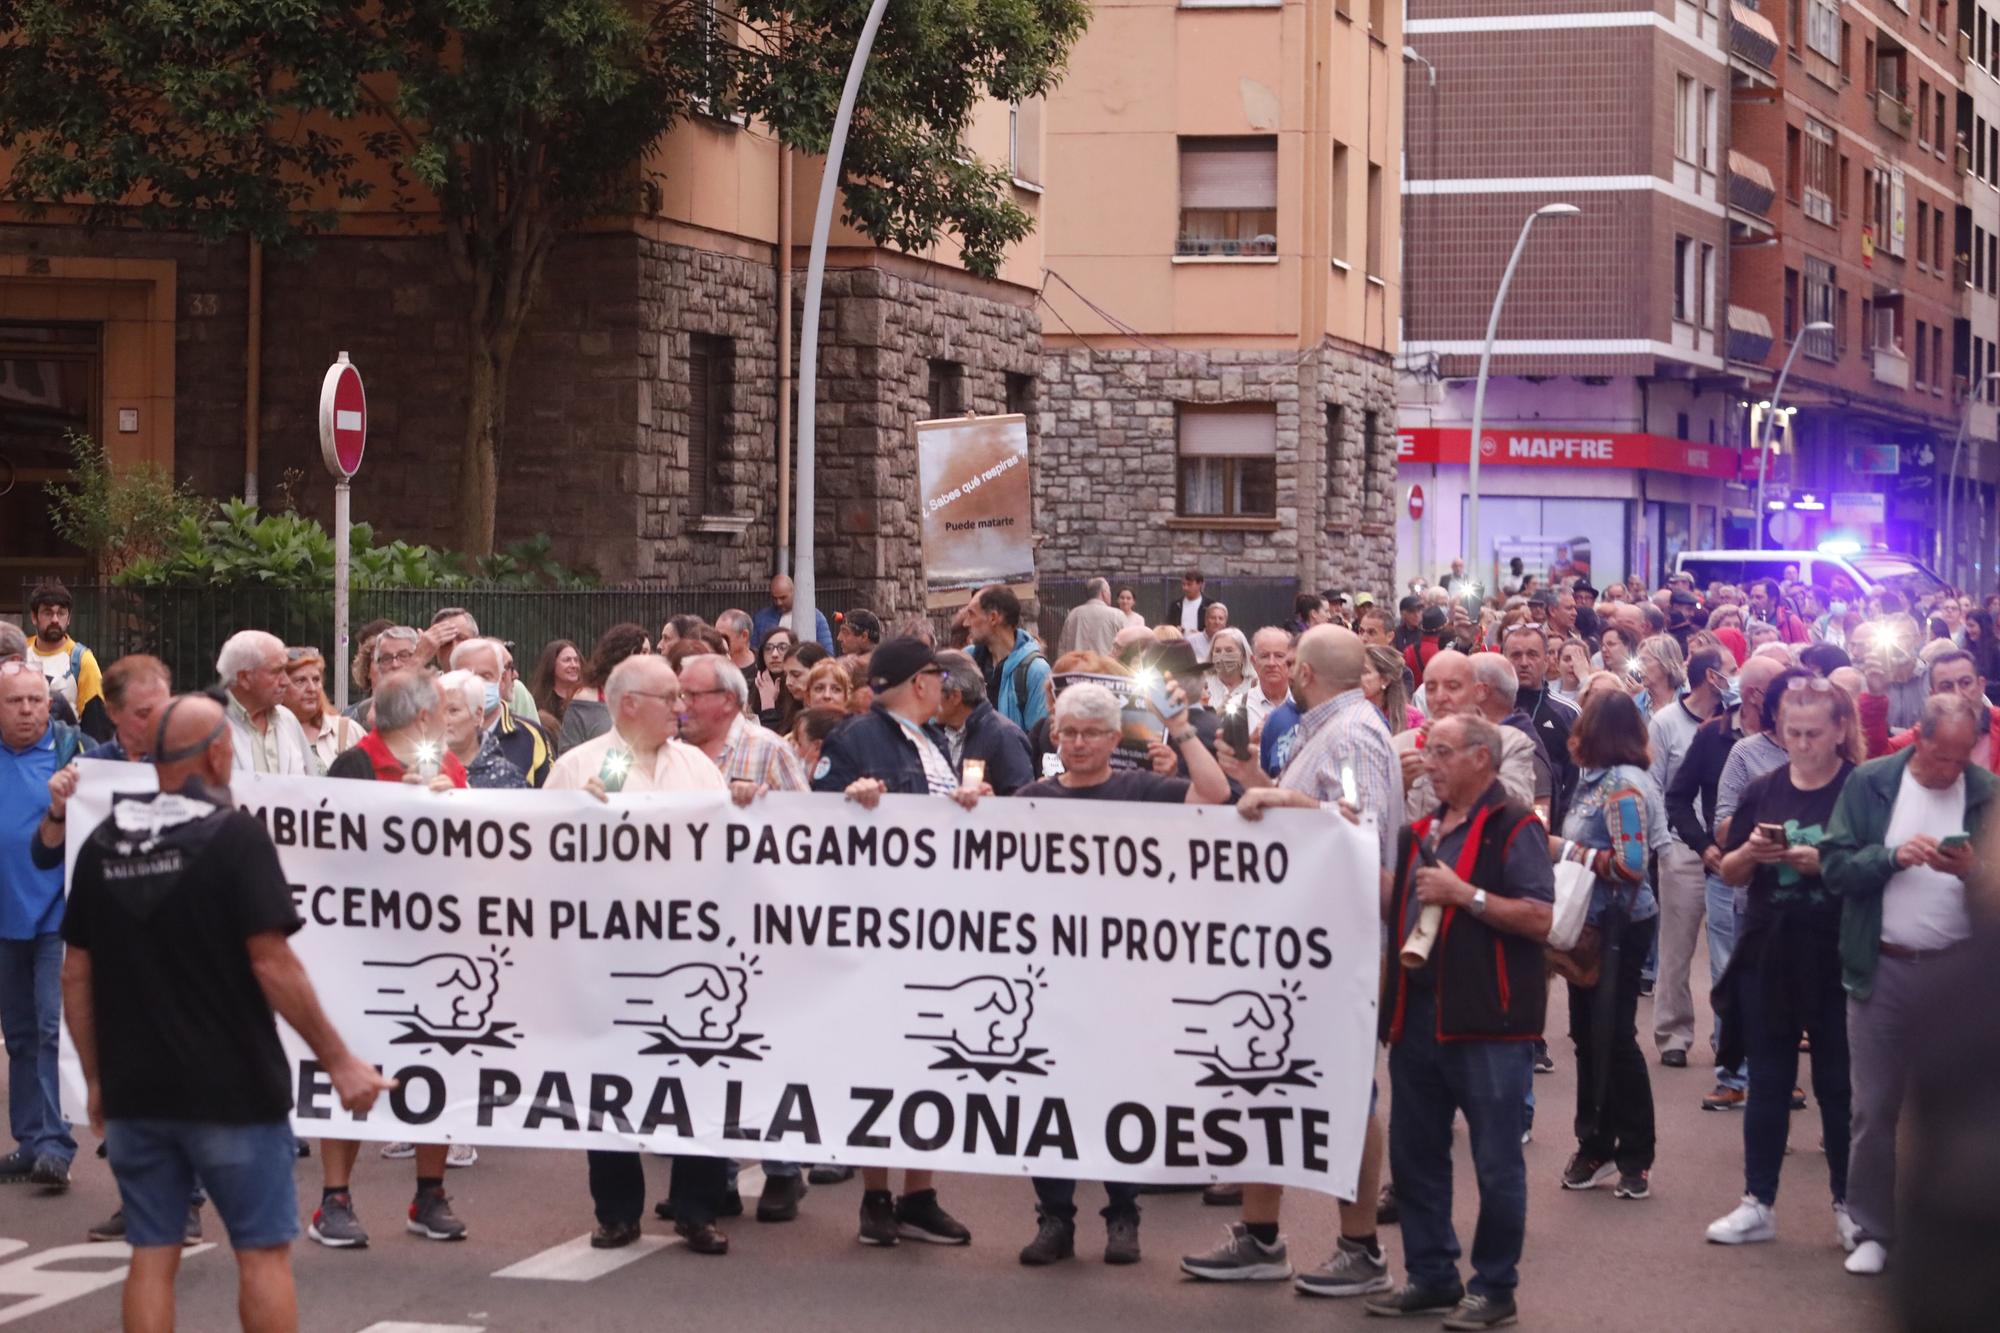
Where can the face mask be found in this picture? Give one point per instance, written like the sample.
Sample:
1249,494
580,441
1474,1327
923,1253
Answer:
1837,609
492,696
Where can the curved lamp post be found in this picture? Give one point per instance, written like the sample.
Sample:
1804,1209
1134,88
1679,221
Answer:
1771,417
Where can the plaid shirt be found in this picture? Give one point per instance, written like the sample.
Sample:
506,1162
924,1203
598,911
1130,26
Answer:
1346,729
753,754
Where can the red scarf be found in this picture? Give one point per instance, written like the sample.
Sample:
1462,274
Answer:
388,768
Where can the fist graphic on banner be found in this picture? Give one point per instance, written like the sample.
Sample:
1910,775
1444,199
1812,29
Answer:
699,1002
1245,1032
983,1016
445,992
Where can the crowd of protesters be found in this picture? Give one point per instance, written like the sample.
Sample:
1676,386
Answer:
1799,783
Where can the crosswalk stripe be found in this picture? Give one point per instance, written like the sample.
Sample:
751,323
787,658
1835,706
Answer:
575,1261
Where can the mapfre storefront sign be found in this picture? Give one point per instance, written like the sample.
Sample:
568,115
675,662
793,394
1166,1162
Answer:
1591,449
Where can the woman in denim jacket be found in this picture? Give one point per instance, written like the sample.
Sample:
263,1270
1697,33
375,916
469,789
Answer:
1614,821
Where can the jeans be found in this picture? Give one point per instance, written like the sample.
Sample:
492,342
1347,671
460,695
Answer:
1725,922
618,1187
1428,1081
1774,1071
1621,1130
1057,1198
1683,893
31,1019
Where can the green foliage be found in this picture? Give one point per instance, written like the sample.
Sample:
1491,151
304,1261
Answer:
123,514
239,547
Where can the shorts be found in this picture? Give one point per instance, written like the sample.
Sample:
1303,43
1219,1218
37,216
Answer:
248,1170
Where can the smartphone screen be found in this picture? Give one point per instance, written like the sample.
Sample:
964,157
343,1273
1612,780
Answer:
1955,841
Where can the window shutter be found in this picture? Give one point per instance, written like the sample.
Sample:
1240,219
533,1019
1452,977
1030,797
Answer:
1232,432
1027,144
701,369
1229,173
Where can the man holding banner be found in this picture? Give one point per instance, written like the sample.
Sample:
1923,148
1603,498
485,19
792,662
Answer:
177,956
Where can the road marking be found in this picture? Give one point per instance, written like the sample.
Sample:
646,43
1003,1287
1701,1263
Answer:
403,1326
46,1286
575,1261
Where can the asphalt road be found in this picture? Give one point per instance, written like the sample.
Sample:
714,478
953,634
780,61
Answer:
1592,1261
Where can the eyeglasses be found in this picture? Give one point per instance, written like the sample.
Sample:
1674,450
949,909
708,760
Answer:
670,697
1094,735
696,694
404,658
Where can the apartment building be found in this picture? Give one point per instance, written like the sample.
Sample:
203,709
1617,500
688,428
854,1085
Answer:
645,427
1221,231
1968,547
1609,440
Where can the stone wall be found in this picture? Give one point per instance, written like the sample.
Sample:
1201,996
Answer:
1105,480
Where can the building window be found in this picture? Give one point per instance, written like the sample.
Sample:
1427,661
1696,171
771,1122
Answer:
1938,252
1823,28
1791,303
1704,286
1021,396
1920,371
1818,296
1794,163
1229,461
715,35
1371,471
1024,140
1923,109
1887,201
1374,220
1687,119
1937,359
1340,208
1819,184
944,394
1923,234
1843,184
1683,279
1711,126
1337,489
1229,197
1846,50
711,373
1885,327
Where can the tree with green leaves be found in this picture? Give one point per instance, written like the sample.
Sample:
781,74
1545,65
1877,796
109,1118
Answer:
510,124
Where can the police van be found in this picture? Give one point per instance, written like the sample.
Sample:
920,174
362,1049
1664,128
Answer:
1842,572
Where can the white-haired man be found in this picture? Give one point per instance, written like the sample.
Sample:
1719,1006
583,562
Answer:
522,741
268,738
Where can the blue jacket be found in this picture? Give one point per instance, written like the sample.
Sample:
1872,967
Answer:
767,620
31,894
874,745
1010,760
1002,691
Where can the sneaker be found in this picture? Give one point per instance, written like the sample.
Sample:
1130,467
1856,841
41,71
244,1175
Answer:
614,1235
16,1167
1674,1059
51,1173
1352,1271
1544,1062
780,1200
1645,985
918,1217
702,1237
1121,1239
112,1227
1223,1196
1845,1227
829,1175
1634,1185
432,1218
1240,1258
1869,1258
334,1225
878,1219
1587,1173
1750,1223
1725,1099
461,1154
1055,1240
1798,1099
399,1152
1413,1299
1387,1214
1477,1311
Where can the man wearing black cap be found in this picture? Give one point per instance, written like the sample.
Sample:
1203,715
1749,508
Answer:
1587,622
1411,627
1681,609
897,747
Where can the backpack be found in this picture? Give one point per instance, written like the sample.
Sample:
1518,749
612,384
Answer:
1021,681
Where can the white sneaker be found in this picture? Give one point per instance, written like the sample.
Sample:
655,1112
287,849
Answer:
1846,1228
1869,1258
1750,1223
461,1154
396,1152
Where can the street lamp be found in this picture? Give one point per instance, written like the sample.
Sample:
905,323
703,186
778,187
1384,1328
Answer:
1764,433
1947,539
1472,558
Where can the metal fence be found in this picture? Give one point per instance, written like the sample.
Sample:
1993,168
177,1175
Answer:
184,626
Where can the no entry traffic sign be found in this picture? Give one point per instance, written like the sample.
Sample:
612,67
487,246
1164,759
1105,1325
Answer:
1416,502
343,419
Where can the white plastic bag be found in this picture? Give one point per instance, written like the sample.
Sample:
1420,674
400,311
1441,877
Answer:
1574,882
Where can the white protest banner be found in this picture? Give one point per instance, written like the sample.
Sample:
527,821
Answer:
1049,987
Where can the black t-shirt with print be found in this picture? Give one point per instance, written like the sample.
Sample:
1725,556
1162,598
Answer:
166,895
1133,785
1772,799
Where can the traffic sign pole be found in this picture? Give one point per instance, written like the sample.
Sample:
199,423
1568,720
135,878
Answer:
343,438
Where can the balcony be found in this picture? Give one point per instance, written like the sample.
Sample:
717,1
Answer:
1751,188
1753,46
1891,114
1890,367
1749,336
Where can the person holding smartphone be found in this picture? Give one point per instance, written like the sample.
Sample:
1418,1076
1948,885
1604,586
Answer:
1784,975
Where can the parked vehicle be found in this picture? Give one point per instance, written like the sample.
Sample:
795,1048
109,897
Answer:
1864,571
